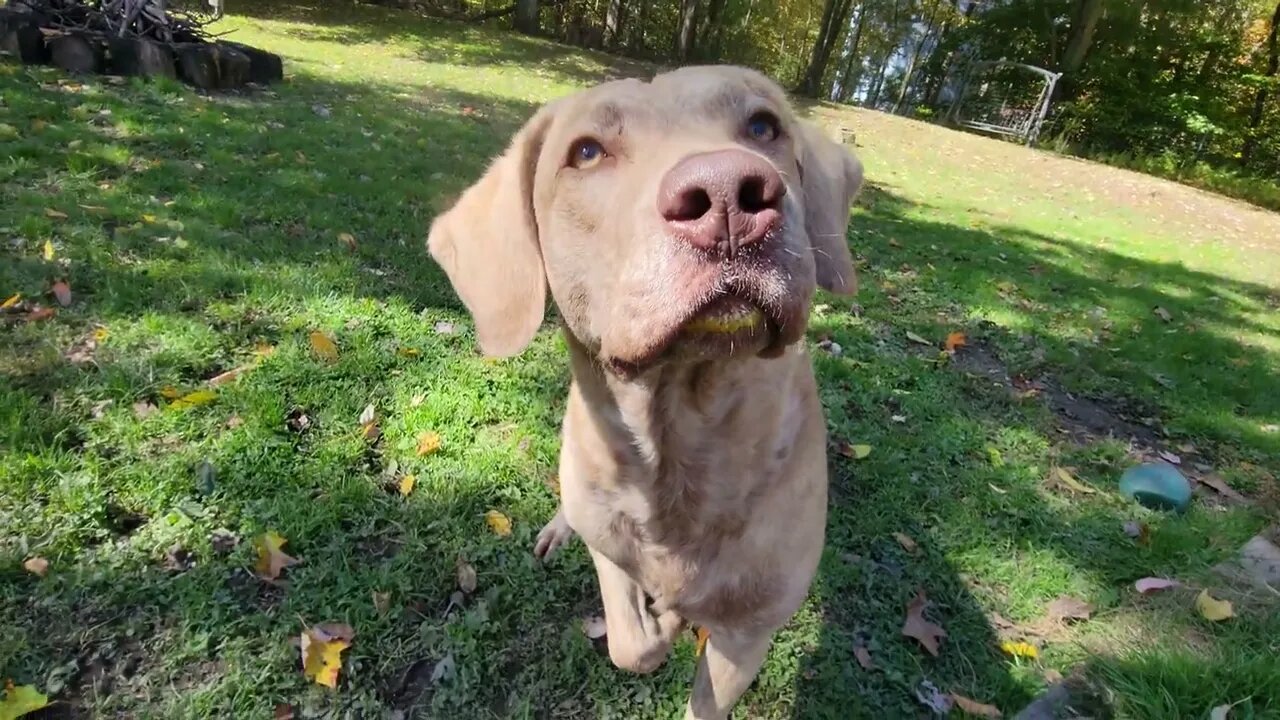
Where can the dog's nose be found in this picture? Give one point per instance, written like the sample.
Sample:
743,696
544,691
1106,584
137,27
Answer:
721,201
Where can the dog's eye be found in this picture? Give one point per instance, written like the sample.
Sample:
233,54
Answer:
763,126
585,154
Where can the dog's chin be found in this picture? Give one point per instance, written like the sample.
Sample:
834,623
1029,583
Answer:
727,328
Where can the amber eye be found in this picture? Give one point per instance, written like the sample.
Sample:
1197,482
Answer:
763,126
586,153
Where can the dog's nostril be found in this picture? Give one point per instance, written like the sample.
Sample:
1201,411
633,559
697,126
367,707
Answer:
691,205
751,196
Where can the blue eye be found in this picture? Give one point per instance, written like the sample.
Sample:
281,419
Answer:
762,126
586,153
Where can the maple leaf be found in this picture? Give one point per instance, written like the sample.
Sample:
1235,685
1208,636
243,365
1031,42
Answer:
916,626
955,341
62,293
36,565
499,523
428,443
1212,609
322,648
20,700
1065,607
975,708
325,348
272,560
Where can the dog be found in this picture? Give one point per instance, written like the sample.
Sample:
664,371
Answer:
682,226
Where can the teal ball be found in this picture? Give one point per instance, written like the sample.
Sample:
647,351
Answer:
1159,486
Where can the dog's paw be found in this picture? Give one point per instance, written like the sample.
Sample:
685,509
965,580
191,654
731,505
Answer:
552,536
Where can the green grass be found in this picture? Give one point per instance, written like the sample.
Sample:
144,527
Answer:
213,226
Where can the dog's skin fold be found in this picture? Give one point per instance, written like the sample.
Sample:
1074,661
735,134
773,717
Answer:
682,226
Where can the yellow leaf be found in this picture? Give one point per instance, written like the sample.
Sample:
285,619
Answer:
408,352
322,648
55,214
48,250
19,700
955,340
500,524
13,300
406,484
272,560
263,350
857,452
347,239
170,393
325,348
36,565
1213,609
1064,478
428,443
703,635
101,334
1020,649
195,399
148,218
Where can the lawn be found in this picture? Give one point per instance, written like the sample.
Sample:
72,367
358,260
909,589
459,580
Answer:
1108,316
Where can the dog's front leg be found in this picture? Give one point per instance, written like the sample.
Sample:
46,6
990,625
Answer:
728,664
638,640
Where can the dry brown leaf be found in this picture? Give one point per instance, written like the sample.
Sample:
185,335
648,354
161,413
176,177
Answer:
916,626
1065,607
863,656
1221,487
466,577
955,341
40,313
272,560
225,377
283,711
55,214
62,293
142,409
905,541
700,645
381,601
36,565
348,240
975,708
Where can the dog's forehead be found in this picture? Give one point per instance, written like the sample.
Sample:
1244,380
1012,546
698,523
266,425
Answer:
689,93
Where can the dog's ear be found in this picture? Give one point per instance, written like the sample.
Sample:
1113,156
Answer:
831,178
488,245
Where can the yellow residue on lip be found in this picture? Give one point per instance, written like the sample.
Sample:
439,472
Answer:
729,324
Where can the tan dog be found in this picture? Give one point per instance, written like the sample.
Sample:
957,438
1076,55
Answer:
682,226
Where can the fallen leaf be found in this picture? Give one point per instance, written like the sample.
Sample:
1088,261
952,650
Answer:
931,697
1052,676
406,484
1065,607
1221,486
272,560
322,648
905,541
1213,609
283,711
196,398
1169,457
36,565
1222,711
370,431
55,214
381,601
20,700
1148,585
347,239
975,708
101,334
917,339
368,414
863,656
62,292
143,409
997,490
700,645
408,352
898,418
1065,479
1020,649
594,627
264,350
48,250
417,400
13,300
40,313
223,378
916,626
428,443
857,452
223,541
955,341
445,328
325,348
466,577
1138,531
500,524
170,393
1162,313
444,669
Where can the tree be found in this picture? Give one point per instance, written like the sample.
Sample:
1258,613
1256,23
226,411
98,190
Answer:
527,16
835,16
686,28
1260,98
1083,25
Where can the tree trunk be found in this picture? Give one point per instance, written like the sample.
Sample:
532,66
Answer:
873,95
1087,14
685,31
1260,99
614,21
638,27
709,28
834,17
915,58
850,76
527,16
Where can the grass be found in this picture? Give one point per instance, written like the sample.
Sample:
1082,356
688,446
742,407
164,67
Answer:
199,228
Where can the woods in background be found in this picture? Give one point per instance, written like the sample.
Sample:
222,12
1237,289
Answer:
1170,85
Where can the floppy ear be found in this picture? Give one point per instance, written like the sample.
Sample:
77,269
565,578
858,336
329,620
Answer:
487,244
831,178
